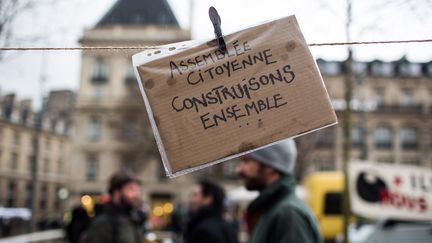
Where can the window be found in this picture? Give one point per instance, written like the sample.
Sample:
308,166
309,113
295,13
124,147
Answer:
411,161
382,69
53,124
130,131
57,201
407,97
10,195
92,166
66,127
24,114
34,141
16,139
329,68
130,75
100,71
409,138
31,163
61,146
29,191
410,69
383,137
388,160
379,96
359,68
47,145
46,165
325,138
43,197
333,203
357,136
59,166
94,129
324,164
126,162
429,69
14,161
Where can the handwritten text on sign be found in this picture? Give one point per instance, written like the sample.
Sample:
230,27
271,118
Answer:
242,89
206,106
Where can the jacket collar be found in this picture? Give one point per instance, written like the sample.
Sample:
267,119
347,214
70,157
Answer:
273,194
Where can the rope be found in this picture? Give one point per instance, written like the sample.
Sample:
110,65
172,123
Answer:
369,42
115,48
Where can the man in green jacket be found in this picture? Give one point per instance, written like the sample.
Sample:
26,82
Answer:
120,222
277,215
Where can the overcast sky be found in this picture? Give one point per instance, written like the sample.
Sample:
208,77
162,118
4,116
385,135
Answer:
321,21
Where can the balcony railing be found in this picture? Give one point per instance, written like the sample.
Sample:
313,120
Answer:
388,109
383,145
358,144
324,144
99,79
410,146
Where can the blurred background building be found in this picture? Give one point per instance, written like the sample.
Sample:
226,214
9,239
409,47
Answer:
35,154
84,139
112,129
391,101
392,104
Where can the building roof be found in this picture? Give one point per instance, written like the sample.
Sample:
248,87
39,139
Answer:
402,67
139,12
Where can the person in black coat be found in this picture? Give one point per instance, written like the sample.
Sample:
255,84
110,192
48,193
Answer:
206,223
78,225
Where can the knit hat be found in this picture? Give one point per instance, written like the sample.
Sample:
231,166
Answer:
281,156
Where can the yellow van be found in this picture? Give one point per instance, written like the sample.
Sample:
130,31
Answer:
324,196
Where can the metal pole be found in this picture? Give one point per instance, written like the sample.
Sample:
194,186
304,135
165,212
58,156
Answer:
347,127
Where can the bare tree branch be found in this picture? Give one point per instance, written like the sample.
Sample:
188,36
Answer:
10,12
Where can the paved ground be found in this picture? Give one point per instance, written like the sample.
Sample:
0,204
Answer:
50,236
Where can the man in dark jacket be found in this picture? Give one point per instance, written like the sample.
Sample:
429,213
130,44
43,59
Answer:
277,215
120,222
206,223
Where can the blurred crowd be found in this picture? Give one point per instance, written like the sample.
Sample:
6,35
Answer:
276,215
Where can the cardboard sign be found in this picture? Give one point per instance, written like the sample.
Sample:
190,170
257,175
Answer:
207,106
390,191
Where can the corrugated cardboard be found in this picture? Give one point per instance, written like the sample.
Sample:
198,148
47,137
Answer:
206,106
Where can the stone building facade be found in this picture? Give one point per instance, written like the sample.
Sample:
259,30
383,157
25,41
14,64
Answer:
34,157
112,129
392,115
